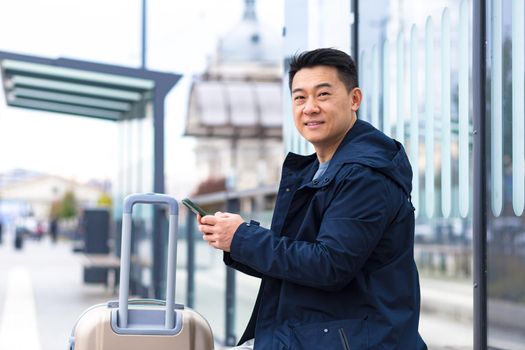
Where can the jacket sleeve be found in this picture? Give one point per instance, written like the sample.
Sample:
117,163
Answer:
240,267
350,229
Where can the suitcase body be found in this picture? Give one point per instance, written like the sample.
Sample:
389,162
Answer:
94,331
143,323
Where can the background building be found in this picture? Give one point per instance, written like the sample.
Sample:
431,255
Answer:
235,107
32,194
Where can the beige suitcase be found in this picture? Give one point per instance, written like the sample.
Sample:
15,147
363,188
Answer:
143,323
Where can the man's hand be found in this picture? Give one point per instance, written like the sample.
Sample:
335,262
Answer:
219,229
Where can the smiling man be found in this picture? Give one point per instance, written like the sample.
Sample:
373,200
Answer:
337,265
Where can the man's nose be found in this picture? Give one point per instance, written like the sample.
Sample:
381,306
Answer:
310,107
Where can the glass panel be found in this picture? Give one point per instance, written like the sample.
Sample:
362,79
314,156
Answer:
400,59
464,132
429,118
134,155
518,112
446,186
117,188
496,111
386,88
438,97
506,234
375,87
363,81
414,119
135,175
147,154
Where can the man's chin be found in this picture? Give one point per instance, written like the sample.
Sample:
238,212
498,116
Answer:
312,136
315,139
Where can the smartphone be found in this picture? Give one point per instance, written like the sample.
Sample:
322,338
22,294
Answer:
194,207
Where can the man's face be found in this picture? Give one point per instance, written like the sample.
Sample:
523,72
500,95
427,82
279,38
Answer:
323,109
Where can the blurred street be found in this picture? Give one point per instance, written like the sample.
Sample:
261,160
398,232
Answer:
42,294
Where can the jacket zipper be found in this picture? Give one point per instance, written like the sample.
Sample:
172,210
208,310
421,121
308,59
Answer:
344,339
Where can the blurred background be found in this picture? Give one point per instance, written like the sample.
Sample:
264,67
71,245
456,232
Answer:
102,99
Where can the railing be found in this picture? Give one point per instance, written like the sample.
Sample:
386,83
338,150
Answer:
215,270
444,260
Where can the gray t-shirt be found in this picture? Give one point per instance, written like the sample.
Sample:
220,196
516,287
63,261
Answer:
321,170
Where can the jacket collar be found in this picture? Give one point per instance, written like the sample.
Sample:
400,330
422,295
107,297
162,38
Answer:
300,168
305,166
363,144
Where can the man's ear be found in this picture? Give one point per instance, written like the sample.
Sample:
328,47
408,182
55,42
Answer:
357,96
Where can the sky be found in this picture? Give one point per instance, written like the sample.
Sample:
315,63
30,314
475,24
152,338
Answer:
182,35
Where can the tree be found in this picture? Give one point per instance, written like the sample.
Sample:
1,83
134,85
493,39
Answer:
68,206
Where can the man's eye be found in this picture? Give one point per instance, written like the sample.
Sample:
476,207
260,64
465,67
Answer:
324,94
298,98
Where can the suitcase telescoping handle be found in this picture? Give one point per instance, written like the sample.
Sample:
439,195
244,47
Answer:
125,256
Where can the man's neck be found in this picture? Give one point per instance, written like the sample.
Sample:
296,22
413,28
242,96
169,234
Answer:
326,152
324,155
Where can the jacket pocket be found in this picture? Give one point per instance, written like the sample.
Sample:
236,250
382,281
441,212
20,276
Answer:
349,334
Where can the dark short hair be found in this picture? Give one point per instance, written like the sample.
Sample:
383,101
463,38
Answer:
345,65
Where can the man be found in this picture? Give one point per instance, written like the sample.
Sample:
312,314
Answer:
337,265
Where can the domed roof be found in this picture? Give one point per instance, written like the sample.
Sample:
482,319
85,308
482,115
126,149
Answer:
249,40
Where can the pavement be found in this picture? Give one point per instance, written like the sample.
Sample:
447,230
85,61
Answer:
42,294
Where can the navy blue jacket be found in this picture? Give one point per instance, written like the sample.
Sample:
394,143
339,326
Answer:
337,265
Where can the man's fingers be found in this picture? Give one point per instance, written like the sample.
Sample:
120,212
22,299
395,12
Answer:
207,229
208,220
214,244
209,238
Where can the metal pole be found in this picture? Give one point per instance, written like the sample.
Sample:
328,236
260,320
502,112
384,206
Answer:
159,217
479,217
143,38
125,262
232,206
190,287
230,307
172,270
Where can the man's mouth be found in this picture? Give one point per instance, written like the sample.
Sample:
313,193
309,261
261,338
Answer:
313,123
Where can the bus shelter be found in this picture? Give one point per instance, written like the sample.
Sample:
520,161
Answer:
133,98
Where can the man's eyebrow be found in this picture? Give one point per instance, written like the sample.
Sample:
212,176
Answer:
323,85
318,86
